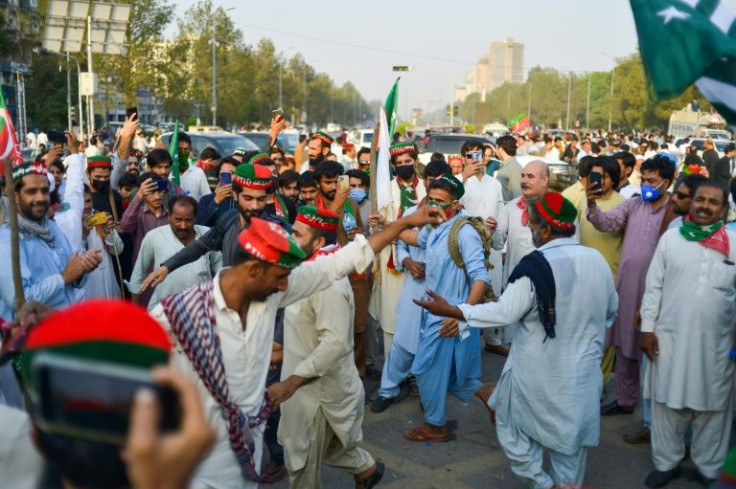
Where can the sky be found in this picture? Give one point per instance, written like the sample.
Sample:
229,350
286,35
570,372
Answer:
360,41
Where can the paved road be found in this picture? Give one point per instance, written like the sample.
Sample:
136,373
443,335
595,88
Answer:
474,459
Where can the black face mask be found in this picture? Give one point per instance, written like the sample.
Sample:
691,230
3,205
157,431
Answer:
405,172
101,185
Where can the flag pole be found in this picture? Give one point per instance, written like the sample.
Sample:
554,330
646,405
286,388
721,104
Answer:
20,298
374,157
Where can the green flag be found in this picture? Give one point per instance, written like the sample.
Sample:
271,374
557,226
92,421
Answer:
682,42
174,152
391,105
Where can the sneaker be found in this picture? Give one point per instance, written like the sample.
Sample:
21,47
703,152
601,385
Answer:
641,437
657,478
380,404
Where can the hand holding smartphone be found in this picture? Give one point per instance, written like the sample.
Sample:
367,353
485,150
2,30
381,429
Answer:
343,182
596,178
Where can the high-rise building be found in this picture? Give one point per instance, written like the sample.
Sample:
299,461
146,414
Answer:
504,62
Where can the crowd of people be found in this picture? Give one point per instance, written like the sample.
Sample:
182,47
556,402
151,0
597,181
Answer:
275,294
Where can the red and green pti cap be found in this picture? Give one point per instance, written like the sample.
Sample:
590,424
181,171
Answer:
253,176
268,242
104,330
323,219
557,210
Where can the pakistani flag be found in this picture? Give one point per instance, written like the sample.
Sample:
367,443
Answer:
9,147
519,122
391,105
686,41
174,152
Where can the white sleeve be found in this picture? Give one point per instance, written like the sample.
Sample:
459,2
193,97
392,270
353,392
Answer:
514,303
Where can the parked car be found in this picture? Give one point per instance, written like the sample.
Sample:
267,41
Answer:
361,138
561,174
260,139
720,145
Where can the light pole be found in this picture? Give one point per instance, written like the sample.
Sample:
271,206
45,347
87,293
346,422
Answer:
569,92
281,90
587,106
610,102
214,71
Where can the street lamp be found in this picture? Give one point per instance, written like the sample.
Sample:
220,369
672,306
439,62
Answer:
214,72
610,102
281,91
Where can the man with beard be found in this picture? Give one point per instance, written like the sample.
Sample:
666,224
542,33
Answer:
165,241
688,321
308,190
212,206
289,185
277,204
317,149
351,224
547,398
250,191
322,422
679,205
230,322
50,270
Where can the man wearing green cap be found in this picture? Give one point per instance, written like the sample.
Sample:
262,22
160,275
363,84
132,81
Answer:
687,333
322,422
444,366
224,332
548,395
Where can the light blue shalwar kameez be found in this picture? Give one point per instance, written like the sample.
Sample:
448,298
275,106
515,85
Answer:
408,321
40,269
445,365
549,391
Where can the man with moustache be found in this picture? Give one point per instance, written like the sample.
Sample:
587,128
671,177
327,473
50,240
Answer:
687,333
317,149
165,241
250,191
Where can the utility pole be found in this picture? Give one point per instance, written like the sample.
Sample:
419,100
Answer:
68,95
569,92
90,98
529,103
587,106
214,76
610,103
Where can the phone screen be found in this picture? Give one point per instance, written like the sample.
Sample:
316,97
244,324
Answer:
596,177
226,177
92,400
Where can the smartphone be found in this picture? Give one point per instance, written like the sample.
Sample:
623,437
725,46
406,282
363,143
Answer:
477,155
57,137
226,177
91,400
343,182
130,111
161,185
596,177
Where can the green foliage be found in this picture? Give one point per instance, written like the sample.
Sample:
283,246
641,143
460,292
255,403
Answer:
546,93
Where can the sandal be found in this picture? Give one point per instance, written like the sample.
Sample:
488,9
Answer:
374,479
418,434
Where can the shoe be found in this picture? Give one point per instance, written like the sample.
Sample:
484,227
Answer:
641,437
380,404
657,478
413,387
374,479
613,409
701,479
501,350
403,392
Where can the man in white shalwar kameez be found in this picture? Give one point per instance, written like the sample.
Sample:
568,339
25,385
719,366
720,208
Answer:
688,320
241,303
548,395
484,198
322,422
511,232
406,191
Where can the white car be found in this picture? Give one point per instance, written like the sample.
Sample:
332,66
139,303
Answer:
361,138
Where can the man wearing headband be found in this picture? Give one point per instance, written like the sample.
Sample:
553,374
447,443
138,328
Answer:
548,395
224,332
322,422
50,270
318,148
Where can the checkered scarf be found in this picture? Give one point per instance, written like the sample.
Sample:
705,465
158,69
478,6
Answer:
191,315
